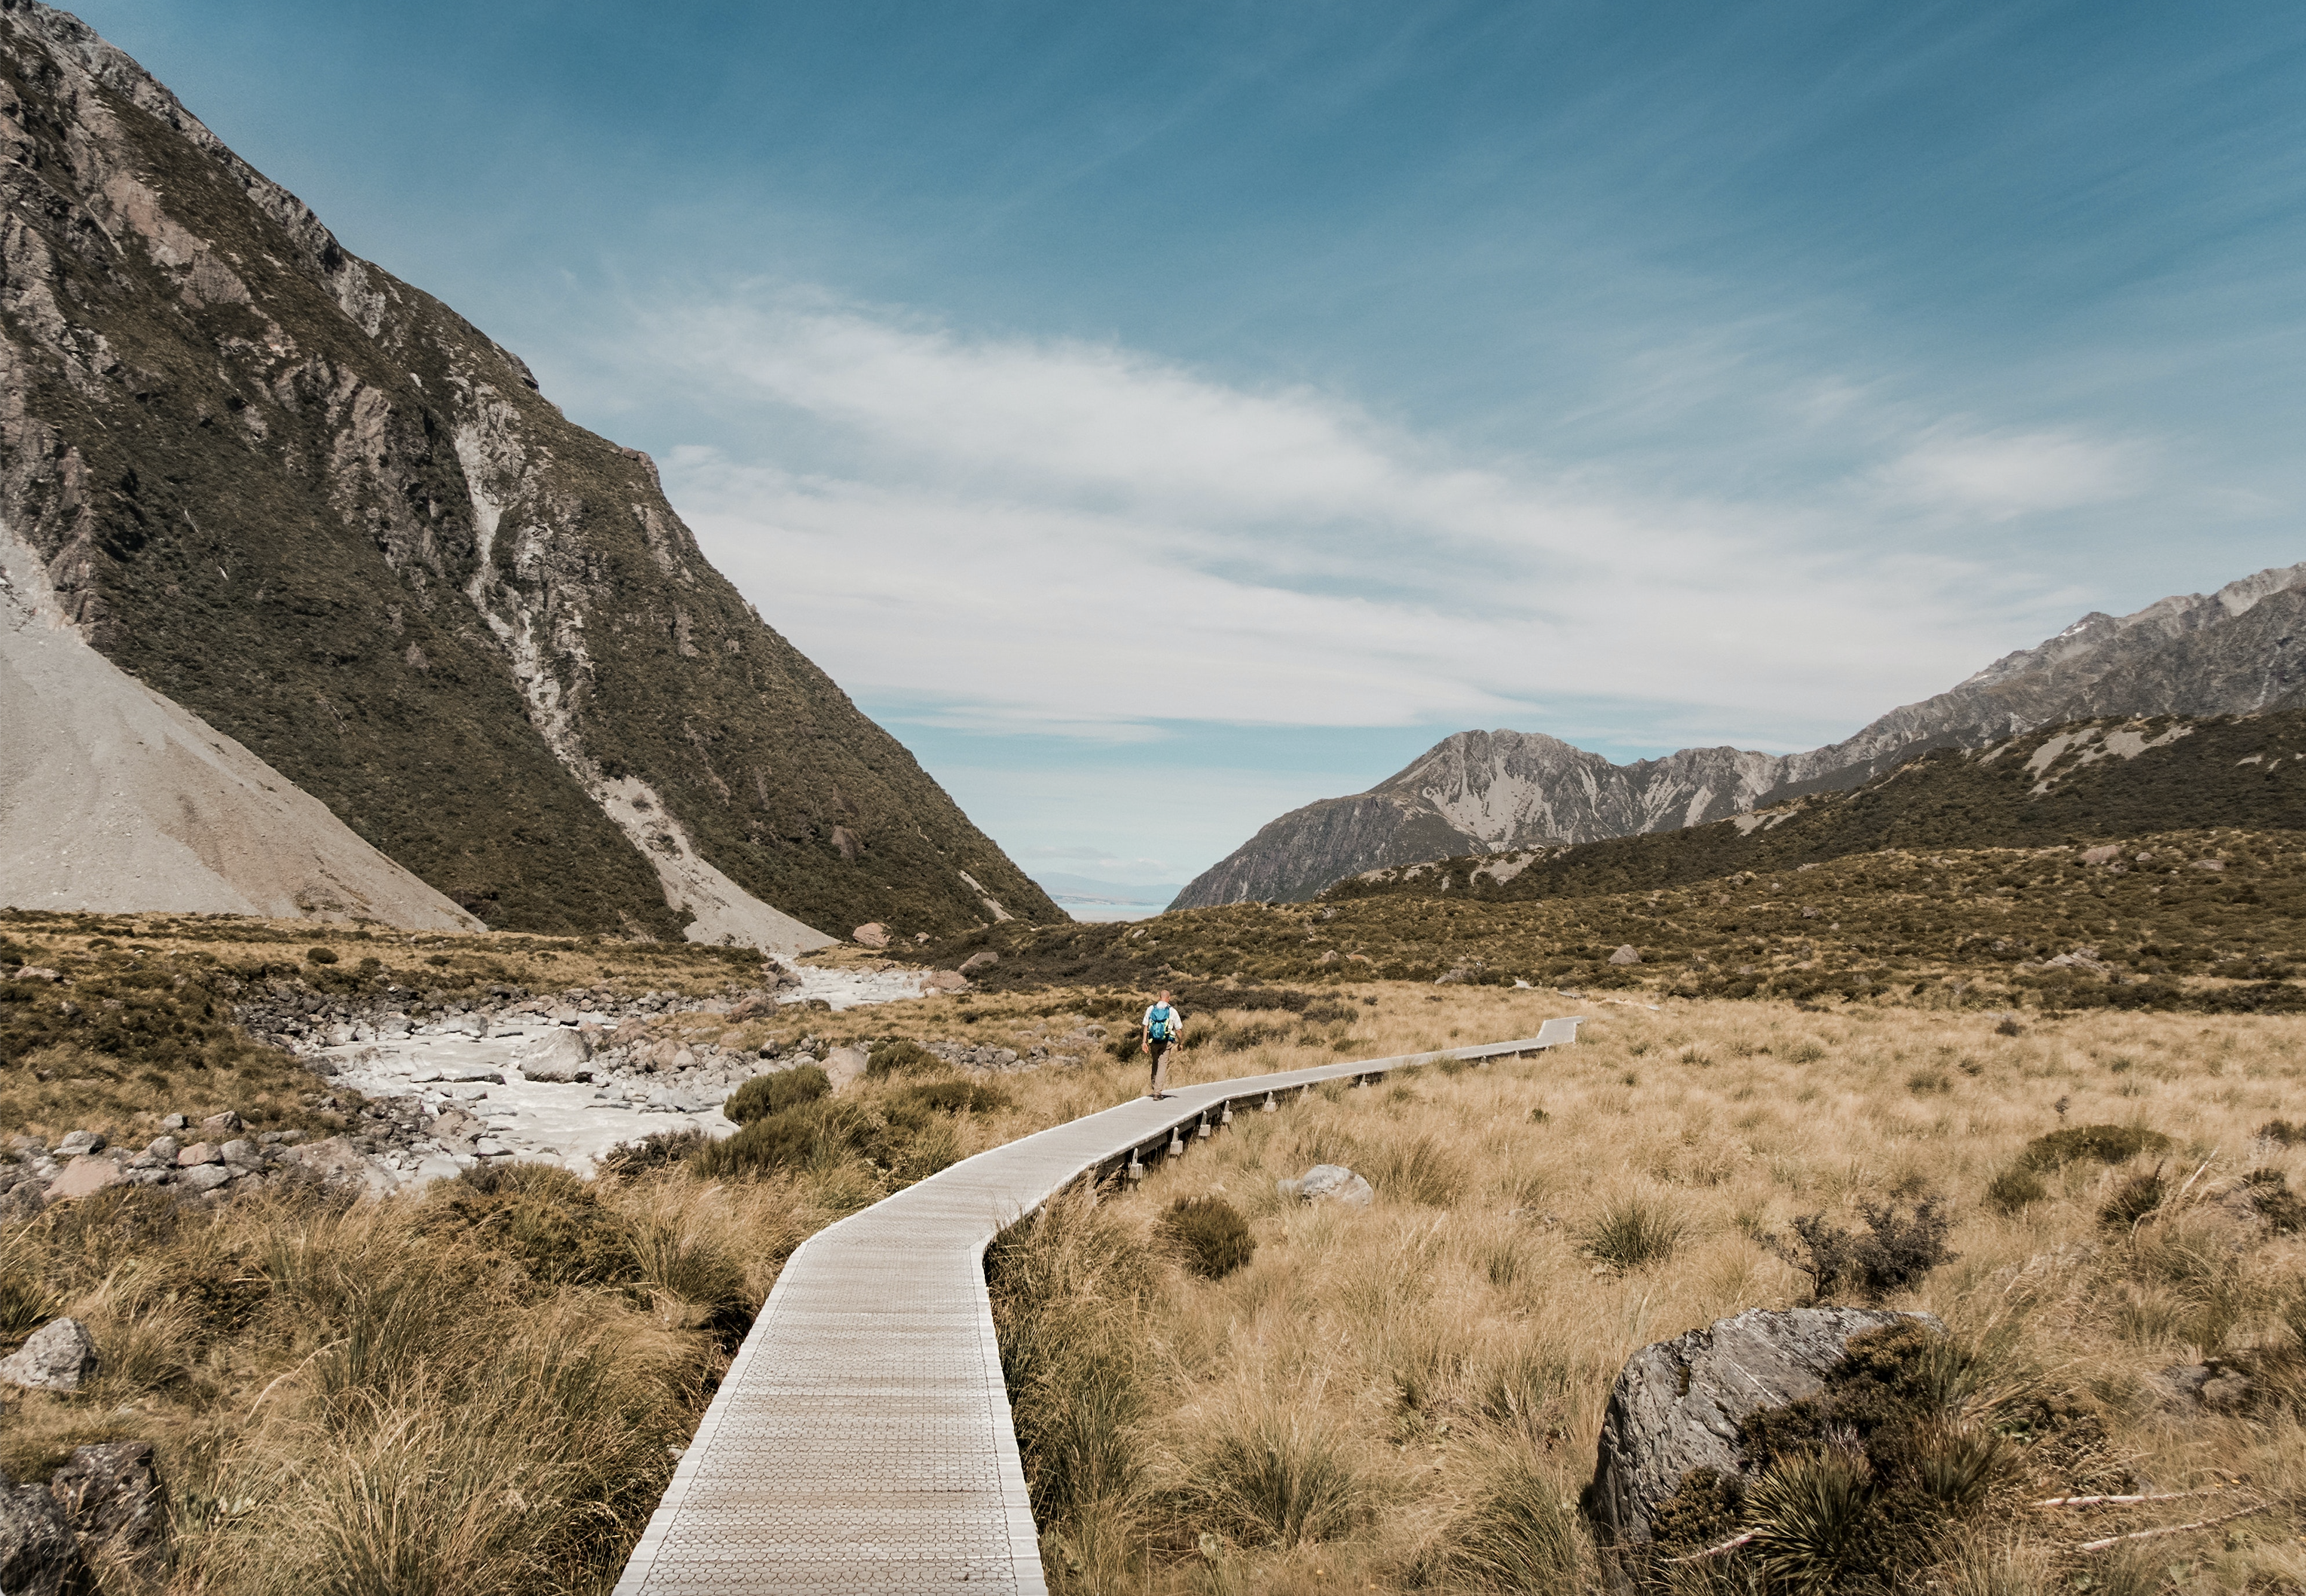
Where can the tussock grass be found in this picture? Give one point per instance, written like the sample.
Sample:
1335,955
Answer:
1436,1364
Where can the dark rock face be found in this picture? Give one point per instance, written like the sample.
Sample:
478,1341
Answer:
317,508
38,1554
112,1499
2239,651
1676,1404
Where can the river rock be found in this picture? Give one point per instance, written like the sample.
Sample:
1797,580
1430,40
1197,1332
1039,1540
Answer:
560,1055
38,1554
1626,955
80,1142
1328,1183
57,1358
205,1177
1676,1404
84,1177
871,934
944,980
843,1066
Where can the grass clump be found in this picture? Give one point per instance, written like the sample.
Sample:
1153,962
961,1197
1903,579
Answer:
2270,1194
1280,1479
1631,1232
1071,1287
2133,1200
954,1097
775,1093
2015,1189
1518,1533
897,1058
1892,1255
1209,1235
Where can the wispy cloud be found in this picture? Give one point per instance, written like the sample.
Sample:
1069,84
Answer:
1084,540
2009,474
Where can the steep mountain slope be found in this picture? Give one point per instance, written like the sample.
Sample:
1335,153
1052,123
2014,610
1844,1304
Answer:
2079,783
321,510
112,798
2238,650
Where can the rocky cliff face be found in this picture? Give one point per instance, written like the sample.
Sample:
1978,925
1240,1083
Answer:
2239,651
322,511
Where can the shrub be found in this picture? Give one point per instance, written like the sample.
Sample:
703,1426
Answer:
2283,1132
1209,1233
894,1058
1631,1232
954,1097
319,955
2133,1200
2101,1144
1896,1252
776,1092
660,1149
2013,1189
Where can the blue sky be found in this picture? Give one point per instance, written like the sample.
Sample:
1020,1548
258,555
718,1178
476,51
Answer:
1160,416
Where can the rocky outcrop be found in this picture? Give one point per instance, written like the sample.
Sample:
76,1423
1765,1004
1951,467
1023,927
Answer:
2239,651
1676,1404
323,513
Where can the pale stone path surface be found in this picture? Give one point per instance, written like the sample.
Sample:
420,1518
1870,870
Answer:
861,1442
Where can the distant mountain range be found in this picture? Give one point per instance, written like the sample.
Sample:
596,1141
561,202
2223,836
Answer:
2086,783
327,518
2240,650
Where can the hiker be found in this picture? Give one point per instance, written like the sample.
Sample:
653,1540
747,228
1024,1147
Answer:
1164,1025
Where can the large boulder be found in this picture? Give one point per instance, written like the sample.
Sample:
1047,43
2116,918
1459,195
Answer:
58,1357
1676,1404
84,1177
38,1554
559,1056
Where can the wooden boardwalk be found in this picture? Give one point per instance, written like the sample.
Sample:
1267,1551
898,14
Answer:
861,1440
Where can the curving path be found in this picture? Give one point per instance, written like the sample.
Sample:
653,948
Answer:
861,1441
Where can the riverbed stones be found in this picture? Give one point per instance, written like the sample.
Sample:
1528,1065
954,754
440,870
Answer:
84,1177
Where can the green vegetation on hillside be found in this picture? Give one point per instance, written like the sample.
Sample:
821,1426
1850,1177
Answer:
2212,921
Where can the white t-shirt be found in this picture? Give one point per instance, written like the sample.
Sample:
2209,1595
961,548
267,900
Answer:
1176,1022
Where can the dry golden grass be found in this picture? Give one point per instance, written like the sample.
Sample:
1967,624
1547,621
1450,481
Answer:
1407,1396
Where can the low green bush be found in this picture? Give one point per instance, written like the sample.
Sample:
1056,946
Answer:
539,1216
1210,1234
1894,1254
2100,1144
776,1092
793,1137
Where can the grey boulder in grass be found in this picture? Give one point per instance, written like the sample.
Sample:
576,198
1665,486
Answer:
1676,1404
58,1357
